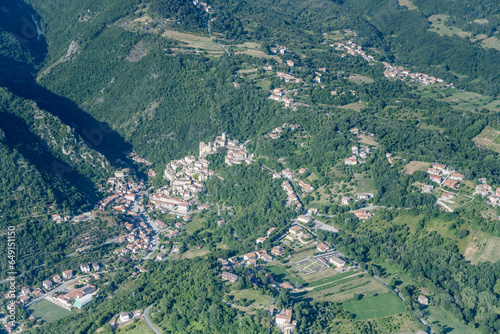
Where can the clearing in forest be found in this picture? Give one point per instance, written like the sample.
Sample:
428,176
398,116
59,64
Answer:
483,248
360,79
414,166
364,139
193,41
408,4
357,106
491,42
488,138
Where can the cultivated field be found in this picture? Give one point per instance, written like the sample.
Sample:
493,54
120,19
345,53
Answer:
48,311
344,289
488,138
414,166
375,307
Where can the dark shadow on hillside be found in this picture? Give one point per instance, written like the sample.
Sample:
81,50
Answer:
20,20
19,63
17,77
56,173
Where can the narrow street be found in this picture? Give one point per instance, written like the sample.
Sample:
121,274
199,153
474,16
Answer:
148,320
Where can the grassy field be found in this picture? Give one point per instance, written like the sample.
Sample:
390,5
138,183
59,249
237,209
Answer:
491,43
193,41
375,307
453,326
483,248
48,311
264,84
414,166
257,299
194,225
281,274
438,26
357,106
138,327
364,184
360,79
364,139
193,252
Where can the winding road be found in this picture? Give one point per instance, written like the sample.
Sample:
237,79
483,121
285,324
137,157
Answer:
148,321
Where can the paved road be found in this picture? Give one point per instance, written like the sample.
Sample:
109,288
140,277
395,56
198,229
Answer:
324,227
445,206
148,321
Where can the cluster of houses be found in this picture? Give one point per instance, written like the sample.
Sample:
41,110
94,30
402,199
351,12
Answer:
78,218
204,6
279,95
136,158
175,230
185,177
444,176
281,49
399,72
124,192
356,131
292,196
358,155
353,50
276,133
485,190
390,71
140,237
288,77
268,234
236,151
27,292
346,200
56,279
